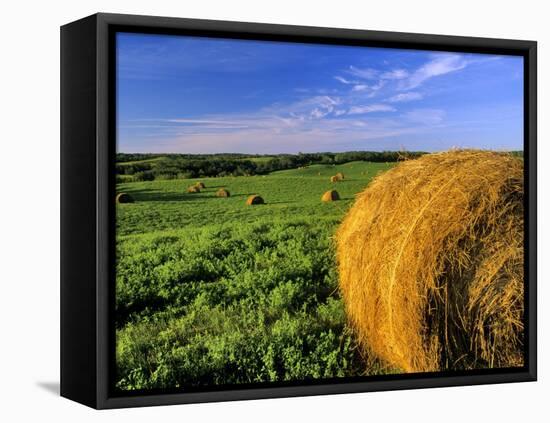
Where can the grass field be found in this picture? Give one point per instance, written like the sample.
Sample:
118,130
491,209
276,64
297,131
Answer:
134,162
211,291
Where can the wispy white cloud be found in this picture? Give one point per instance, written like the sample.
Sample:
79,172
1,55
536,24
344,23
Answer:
378,85
404,97
371,108
360,87
395,74
272,135
442,64
380,78
374,74
318,113
315,107
202,121
366,73
425,116
312,124
345,81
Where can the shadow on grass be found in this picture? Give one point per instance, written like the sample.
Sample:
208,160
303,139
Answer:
215,186
280,202
245,195
140,195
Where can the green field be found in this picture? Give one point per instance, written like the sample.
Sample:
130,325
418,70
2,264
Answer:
210,291
133,162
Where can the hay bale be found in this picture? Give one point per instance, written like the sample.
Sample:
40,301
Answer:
331,195
223,193
430,258
200,185
193,189
254,199
335,178
340,175
123,198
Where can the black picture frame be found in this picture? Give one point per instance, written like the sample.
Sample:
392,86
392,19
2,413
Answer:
87,214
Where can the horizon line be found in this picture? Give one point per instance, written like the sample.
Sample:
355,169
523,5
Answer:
319,152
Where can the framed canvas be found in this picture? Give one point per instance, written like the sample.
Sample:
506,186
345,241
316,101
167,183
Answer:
257,211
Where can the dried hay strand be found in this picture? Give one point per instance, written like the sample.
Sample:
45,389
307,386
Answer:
223,193
430,258
331,195
200,185
254,199
123,198
193,189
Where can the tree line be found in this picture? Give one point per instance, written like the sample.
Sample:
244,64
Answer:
175,166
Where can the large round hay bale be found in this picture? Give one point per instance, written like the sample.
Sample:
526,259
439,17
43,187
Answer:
340,175
200,185
254,199
331,195
335,178
430,258
122,198
193,189
223,193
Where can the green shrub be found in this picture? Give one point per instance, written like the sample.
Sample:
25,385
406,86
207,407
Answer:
143,176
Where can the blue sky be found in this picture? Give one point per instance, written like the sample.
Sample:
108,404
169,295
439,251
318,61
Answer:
179,94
